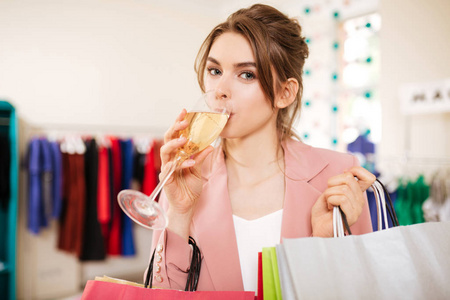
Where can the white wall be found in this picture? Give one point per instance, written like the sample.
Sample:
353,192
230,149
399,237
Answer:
99,62
415,44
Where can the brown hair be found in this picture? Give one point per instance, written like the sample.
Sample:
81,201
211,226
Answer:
277,43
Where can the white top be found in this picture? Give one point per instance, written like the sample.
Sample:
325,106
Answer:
251,237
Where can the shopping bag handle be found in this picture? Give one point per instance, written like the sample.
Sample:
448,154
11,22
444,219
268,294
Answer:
194,269
383,209
381,194
389,206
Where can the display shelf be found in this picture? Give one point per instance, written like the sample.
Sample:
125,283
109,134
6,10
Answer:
8,209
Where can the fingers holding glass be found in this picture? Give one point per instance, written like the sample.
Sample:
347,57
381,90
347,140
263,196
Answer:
169,150
180,124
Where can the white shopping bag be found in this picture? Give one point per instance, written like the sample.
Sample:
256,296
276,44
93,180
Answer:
405,262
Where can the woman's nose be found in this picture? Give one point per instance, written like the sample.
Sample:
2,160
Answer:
223,88
222,94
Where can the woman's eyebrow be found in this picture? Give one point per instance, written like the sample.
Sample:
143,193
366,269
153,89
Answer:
213,60
236,65
245,64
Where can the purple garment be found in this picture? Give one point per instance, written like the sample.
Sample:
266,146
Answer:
56,158
46,181
361,145
34,186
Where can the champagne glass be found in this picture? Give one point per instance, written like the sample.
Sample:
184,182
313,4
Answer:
206,120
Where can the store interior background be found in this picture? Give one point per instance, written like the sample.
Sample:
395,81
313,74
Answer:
126,67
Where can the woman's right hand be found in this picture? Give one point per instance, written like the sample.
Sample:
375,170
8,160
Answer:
185,185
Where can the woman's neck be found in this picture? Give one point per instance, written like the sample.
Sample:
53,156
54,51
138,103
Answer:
255,152
255,169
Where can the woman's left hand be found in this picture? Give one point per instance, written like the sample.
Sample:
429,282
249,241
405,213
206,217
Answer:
343,190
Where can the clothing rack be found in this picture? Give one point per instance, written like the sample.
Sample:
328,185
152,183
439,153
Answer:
94,129
415,160
395,167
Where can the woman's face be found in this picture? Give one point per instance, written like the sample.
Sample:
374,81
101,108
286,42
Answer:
231,71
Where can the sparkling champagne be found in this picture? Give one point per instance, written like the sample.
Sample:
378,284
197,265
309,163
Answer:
203,129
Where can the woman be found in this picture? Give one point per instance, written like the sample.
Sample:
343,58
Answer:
261,183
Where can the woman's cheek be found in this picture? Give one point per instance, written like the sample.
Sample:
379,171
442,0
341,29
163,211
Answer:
231,128
209,83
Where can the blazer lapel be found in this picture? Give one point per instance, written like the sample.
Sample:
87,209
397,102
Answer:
301,166
214,227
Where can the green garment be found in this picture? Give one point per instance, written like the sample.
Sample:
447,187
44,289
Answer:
410,197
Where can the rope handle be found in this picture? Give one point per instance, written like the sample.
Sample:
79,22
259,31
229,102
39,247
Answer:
193,273
384,208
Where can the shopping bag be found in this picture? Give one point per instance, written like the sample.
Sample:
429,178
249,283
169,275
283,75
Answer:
286,285
260,293
404,262
95,290
270,273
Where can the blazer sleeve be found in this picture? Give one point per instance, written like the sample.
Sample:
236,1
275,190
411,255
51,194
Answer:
364,222
172,257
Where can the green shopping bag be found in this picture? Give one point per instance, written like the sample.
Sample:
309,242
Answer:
271,278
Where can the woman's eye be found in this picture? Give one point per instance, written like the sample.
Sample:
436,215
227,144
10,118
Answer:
214,71
247,75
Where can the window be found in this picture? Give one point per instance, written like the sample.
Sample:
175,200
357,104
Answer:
359,68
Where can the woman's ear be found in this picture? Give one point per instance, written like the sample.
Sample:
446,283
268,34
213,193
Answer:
287,93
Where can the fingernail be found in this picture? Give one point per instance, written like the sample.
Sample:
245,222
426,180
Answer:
190,162
181,139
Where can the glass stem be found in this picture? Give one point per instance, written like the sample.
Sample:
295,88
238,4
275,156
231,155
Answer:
166,177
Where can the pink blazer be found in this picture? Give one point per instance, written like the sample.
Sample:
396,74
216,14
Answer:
307,172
